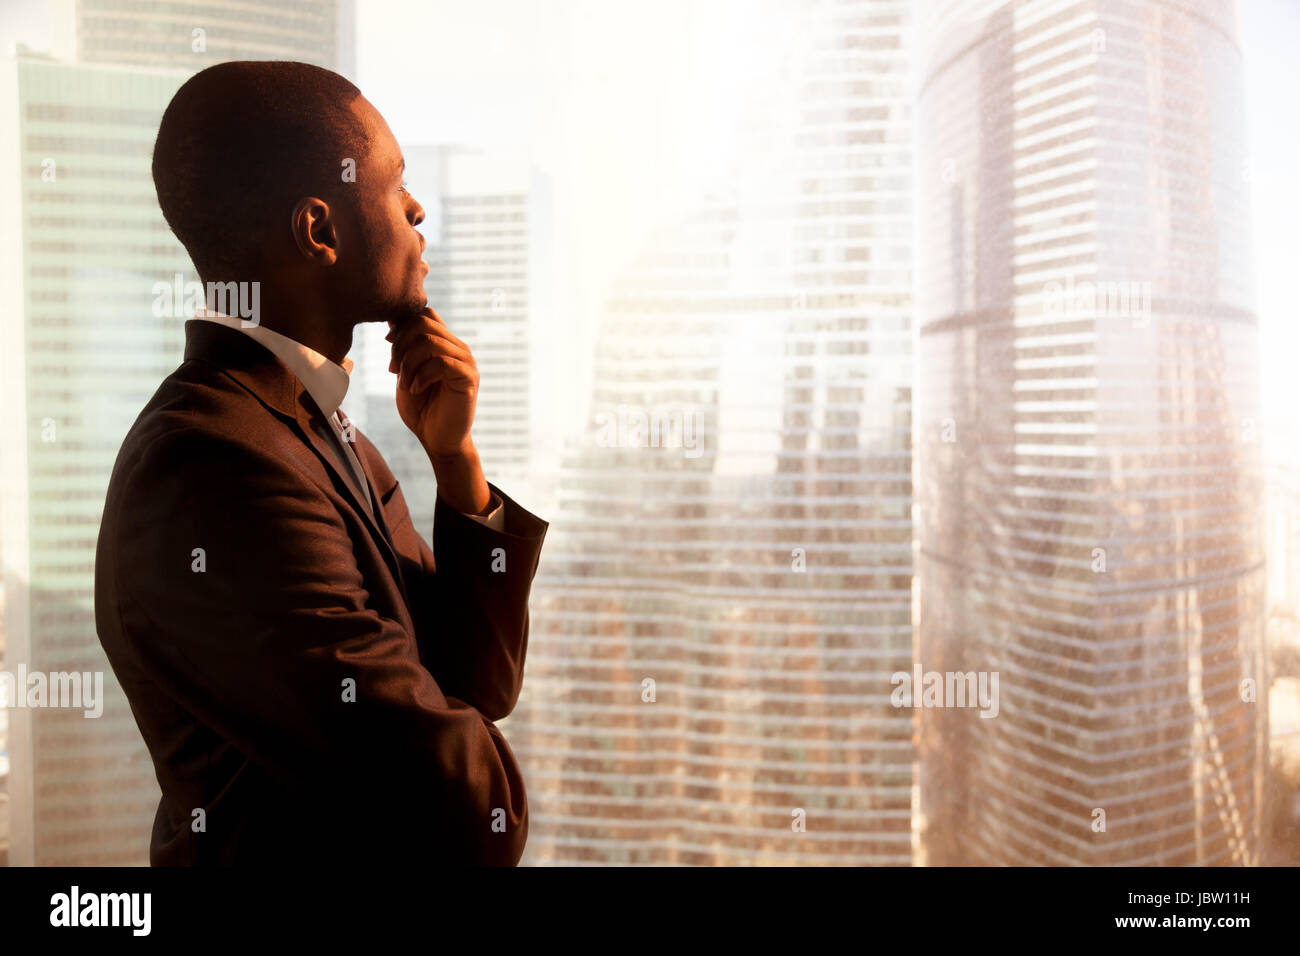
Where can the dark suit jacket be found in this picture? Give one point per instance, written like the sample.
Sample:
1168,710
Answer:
322,686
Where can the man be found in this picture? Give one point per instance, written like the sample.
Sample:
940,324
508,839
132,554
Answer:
314,682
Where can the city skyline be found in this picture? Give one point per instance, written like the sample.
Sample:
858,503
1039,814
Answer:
715,218
762,584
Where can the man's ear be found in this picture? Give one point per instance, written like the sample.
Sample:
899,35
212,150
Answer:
313,231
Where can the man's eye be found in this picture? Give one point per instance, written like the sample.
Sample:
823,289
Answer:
403,186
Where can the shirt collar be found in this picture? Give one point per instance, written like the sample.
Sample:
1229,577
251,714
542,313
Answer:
326,381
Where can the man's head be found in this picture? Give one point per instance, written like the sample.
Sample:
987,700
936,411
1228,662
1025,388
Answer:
284,173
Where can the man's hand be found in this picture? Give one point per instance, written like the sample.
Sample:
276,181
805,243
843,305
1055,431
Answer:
437,382
437,388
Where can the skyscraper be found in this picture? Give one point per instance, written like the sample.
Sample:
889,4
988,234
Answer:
1087,408
478,282
193,34
728,579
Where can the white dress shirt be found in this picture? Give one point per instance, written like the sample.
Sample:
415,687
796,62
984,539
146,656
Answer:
327,383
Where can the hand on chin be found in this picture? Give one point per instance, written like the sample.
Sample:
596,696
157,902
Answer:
438,381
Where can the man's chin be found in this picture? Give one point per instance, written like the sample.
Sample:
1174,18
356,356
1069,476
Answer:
398,313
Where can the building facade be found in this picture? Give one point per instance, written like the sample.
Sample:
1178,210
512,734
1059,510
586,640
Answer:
1087,454
727,586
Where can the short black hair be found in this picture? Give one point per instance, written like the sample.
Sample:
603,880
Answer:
239,144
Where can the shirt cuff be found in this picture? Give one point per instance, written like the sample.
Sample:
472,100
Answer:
494,519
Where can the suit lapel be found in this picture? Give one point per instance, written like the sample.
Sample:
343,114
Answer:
256,369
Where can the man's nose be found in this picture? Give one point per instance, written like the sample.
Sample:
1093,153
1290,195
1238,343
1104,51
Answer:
419,214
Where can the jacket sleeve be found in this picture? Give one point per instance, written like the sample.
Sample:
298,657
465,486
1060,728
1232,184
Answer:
470,595
246,604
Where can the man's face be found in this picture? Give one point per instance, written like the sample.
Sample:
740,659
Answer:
380,254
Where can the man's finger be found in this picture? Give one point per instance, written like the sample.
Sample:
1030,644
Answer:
414,357
429,342
403,334
428,346
459,375
441,333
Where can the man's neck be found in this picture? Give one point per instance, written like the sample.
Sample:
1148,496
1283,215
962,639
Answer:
297,318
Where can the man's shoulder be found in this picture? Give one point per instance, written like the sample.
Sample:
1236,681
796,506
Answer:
200,398
200,412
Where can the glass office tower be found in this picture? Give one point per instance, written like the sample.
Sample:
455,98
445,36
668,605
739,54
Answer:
727,585
1088,471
